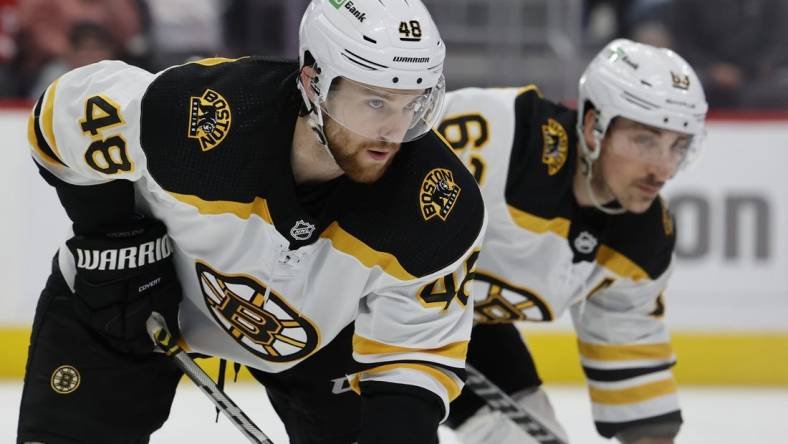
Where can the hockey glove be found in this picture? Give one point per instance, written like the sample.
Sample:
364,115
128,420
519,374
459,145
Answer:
123,274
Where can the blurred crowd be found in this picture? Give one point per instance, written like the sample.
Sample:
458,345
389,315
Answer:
739,47
42,39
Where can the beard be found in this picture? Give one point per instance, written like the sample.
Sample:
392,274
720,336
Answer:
350,153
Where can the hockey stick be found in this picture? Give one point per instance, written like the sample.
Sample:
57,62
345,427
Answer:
498,400
157,329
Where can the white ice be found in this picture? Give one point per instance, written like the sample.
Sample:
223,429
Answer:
712,416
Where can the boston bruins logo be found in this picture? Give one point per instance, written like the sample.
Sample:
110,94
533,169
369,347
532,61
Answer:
65,379
265,326
210,119
504,302
438,194
556,146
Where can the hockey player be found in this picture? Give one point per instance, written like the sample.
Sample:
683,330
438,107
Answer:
577,224
282,216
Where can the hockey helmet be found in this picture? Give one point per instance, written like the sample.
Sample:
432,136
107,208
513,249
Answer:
649,85
388,52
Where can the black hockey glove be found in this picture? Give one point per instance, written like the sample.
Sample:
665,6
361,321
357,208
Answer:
123,274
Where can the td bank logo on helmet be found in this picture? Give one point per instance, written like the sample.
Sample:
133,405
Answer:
351,8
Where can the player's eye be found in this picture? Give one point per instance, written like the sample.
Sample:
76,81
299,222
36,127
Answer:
645,140
376,103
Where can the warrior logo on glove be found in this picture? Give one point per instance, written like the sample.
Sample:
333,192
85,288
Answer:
265,326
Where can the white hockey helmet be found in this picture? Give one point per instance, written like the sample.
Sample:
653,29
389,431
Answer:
388,45
649,85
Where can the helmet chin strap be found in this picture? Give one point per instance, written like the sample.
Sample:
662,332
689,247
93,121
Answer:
315,118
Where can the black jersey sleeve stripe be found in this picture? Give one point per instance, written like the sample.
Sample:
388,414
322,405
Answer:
595,374
610,429
36,137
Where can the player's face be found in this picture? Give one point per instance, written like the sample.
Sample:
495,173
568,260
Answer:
365,126
364,160
637,160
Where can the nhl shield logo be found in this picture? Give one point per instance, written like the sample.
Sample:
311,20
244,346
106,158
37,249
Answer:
585,243
302,230
209,120
438,194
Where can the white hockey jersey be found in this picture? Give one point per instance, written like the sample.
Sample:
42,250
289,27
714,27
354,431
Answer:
267,283
544,254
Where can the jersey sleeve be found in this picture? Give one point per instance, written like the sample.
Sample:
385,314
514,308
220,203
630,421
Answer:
417,333
626,355
85,128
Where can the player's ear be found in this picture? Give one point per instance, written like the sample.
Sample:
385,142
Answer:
308,74
589,126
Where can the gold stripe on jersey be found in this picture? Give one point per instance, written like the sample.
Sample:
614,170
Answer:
183,345
364,346
635,394
625,352
529,88
47,118
31,139
244,210
606,282
619,264
443,139
349,244
213,61
451,386
536,224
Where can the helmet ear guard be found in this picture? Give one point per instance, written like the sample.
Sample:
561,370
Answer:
598,131
309,108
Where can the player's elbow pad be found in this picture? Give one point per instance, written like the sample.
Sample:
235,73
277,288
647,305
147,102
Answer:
122,275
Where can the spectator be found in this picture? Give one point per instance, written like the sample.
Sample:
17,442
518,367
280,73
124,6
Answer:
646,21
184,29
640,20
88,43
44,27
8,49
8,24
245,34
738,49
